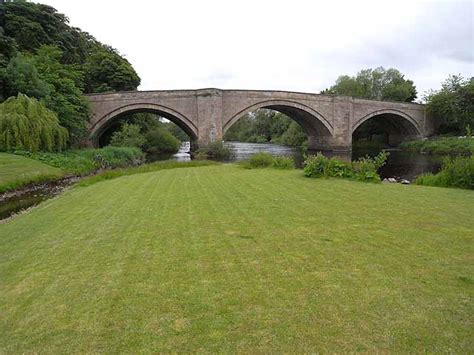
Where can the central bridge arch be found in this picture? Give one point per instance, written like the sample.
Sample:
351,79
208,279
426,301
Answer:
308,118
315,125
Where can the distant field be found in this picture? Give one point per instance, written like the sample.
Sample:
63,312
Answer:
223,259
16,171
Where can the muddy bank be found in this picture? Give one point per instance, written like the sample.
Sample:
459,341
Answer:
16,201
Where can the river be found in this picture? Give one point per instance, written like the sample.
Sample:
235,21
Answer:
400,164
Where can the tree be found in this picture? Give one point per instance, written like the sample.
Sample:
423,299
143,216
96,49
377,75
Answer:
375,84
453,105
65,96
26,124
21,75
105,70
267,126
28,26
128,136
160,141
44,77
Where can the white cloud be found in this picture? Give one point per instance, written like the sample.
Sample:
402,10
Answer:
284,45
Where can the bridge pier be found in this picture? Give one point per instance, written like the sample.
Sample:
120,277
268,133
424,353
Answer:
209,116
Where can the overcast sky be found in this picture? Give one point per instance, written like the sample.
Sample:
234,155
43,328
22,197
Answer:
282,45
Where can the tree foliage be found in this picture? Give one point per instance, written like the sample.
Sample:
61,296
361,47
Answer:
161,141
26,124
152,138
375,84
43,57
44,77
453,105
128,136
266,126
105,70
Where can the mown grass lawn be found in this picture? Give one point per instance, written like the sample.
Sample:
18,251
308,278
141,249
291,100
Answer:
221,258
16,171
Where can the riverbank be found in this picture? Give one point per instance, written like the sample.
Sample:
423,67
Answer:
441,146
17,171
23,169
221,258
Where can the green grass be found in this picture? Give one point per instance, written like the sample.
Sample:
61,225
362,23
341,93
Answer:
17,171
89,160
146,168
223,259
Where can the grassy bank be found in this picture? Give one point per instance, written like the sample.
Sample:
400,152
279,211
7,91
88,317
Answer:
455,172
441,145
226,259
87,161
24,168
17,171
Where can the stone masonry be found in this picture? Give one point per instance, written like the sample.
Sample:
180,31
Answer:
206,114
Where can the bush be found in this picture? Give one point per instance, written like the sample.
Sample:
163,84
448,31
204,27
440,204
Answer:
160,141
282,162
215,151
260,160
266,160
26,124
455,172
364,169
113,157
128,136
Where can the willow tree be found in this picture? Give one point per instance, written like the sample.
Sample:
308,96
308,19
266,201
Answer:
26,124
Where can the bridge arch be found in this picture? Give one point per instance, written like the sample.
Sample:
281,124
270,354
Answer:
104,122
312,121
397,124
414,127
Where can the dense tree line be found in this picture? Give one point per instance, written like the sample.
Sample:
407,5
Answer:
43,57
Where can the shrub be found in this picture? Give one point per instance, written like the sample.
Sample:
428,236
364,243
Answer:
455,172
160,141
26,124
215,151
364,169
128,136
266,160
260,160
283,162
112,157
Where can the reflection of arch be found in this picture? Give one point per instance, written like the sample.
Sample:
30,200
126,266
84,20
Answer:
312,121
182,121
407,122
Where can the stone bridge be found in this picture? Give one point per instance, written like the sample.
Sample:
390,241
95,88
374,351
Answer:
206,114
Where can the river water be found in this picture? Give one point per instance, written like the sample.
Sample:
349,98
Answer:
400,165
